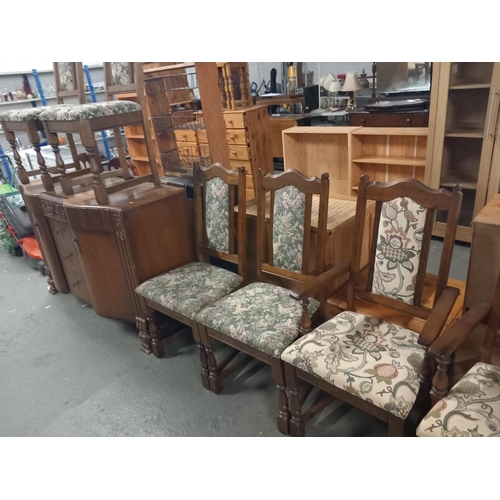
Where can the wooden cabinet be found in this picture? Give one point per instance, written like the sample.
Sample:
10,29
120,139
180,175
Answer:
279,123
464,144
346,153
248,136
101,253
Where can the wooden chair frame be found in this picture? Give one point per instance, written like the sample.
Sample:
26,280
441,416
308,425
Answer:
269,184
111,88
444,347
445,297
236,180
229,100
49,175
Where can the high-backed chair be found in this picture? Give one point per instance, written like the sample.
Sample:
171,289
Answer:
185,291
376,366
261,319
472,406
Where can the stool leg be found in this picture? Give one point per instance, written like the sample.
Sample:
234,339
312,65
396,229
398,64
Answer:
48,185
88,142
21,171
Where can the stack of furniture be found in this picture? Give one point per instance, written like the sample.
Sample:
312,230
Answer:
92,228
234,84
464,140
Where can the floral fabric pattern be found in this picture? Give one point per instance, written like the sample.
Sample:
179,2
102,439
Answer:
400,235
190,288
20,115
217,214
88,111
66,76
471,408
120,72
260,315
375,361
288,228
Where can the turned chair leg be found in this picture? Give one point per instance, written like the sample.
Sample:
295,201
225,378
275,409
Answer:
142,326
214,379
203,356
297,425
156,344
284,415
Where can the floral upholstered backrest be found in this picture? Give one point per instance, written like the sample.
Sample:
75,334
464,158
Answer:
217,214
288,228
399,245
120,72
66,76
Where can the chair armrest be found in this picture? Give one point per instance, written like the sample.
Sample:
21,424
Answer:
308,288
438,316
447,343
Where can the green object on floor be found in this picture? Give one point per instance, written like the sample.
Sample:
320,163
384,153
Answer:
7,189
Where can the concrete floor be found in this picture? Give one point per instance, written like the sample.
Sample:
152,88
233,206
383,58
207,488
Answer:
66,371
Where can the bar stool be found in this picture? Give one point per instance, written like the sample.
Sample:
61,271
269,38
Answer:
85,120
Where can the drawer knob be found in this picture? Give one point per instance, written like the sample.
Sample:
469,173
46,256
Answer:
76,283
408,120
362,120
59,231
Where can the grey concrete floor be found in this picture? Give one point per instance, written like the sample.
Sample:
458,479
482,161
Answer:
65,371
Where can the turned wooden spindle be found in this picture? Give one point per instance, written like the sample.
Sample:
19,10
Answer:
61,167
214,379
426,368
95,167
305,319
21,171
440,382
48,185
144,337
284,414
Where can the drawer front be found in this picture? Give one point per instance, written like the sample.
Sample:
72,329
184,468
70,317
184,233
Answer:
237,136
235,120
191,148
185,135
202,136
389,120
239,152
77,285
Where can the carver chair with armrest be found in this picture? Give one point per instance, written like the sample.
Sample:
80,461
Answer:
472,406
261,319
374,365
184,291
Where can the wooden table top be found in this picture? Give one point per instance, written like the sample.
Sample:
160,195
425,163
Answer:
490,213
341,211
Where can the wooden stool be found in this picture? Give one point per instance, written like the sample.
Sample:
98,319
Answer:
85,120
28,121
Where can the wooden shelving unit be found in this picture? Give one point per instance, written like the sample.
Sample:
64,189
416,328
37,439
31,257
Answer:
346,153
387,153
464,134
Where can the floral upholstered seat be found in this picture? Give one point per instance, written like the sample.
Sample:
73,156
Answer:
260,315
373,360
88,111
470,409
20,115
188,289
